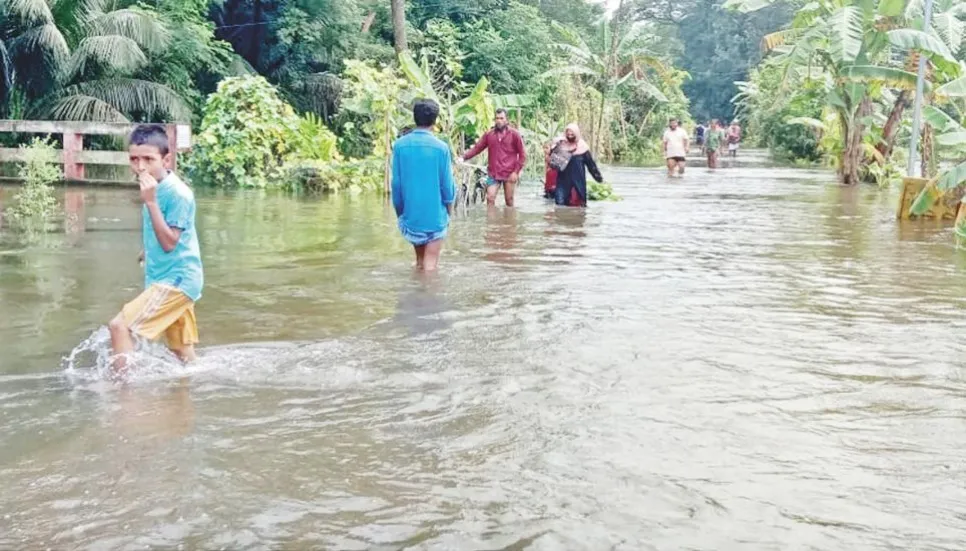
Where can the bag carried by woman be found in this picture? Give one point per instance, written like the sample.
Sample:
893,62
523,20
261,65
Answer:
560,156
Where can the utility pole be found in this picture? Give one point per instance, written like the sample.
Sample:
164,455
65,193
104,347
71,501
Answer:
399,25
917,105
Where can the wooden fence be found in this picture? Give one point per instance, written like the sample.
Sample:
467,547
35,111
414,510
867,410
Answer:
75,158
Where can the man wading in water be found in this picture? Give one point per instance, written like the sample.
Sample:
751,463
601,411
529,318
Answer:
507,158
422,186
676,144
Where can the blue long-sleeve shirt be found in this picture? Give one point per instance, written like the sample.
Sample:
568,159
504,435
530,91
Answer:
422,181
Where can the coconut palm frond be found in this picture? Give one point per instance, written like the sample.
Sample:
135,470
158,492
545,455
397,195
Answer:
30,12
44,39
125,95
140,26
79,107
120,53
6,72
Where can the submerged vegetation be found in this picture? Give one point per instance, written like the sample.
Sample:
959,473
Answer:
34,202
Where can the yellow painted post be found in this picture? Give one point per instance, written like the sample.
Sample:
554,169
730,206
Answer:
945,207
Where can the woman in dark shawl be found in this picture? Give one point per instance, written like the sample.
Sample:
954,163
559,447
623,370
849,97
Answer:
572,180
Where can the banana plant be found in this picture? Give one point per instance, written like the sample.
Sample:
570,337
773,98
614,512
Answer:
617,60
858,49
460,118
951,136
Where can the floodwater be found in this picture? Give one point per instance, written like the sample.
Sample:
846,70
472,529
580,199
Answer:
748,359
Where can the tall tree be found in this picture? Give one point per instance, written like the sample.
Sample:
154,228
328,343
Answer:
399,25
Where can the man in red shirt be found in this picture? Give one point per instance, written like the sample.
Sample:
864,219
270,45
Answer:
507,155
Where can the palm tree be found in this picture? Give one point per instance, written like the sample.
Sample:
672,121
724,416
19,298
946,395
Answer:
856,49
620,58
81,59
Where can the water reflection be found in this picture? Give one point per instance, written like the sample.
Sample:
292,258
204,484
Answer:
421,306
152,418
502,236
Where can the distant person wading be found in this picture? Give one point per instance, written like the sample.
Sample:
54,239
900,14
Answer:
676,144
507,157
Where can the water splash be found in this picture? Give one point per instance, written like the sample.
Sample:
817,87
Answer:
92,359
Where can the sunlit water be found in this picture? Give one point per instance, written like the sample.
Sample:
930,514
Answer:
749,359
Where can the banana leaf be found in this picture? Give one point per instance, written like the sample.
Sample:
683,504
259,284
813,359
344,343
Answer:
937,187
417,76
939,120
953,89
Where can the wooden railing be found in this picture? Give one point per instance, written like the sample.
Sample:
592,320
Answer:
73,155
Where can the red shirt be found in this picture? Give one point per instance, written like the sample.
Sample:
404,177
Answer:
507,152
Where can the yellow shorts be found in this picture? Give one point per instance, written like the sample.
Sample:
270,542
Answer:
163,309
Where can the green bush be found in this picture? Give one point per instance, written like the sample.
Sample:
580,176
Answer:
351,176
35,201
247,132
313,141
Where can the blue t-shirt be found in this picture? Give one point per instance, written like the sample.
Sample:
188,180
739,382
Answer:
422,181
180,268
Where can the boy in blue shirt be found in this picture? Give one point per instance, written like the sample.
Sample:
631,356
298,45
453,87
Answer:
422,186
173,276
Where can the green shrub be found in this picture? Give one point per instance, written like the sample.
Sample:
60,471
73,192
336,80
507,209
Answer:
247,132
35,202
313,141
351,176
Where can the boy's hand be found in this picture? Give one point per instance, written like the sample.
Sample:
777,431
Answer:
149,187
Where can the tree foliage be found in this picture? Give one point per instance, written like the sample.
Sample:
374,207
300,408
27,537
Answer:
246,134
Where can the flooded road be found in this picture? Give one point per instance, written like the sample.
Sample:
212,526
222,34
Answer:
750,359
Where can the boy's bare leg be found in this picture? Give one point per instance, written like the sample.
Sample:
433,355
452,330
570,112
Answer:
433,250
122,343
681,165
420,255
670,166
186,353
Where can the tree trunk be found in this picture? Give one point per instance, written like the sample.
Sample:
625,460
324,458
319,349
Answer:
367,22
853,155
598,136
891,128
399,25
640,130
387,183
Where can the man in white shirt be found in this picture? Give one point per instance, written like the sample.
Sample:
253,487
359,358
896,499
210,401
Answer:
676,146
